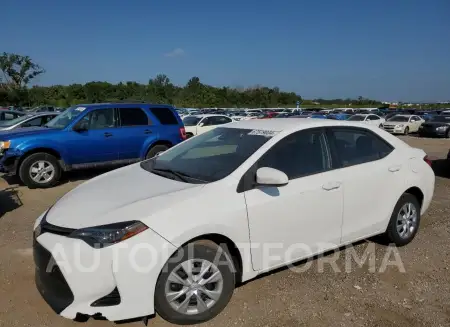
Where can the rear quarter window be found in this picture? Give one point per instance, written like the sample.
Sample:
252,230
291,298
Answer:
164,115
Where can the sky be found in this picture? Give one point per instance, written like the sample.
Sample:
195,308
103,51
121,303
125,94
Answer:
390,50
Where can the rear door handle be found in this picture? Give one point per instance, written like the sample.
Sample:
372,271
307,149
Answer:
107,134
331,186
393,169
147,131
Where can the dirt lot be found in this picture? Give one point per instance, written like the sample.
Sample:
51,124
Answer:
418,297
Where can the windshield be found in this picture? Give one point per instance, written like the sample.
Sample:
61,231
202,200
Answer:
12,122
399,118
357,118
212,155
191,120
64,119
442,119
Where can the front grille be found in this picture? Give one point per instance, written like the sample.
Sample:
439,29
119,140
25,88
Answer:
49,279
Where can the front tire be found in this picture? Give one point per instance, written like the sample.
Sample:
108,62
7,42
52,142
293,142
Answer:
40,170
447,135
406,130
405,220
196,284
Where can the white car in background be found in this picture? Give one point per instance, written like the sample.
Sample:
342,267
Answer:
369,119
174,234
251,115
198,124
403,124
30,120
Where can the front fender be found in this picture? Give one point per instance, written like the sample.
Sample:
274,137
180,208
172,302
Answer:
31,145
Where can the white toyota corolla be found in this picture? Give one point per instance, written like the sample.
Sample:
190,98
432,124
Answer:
174,234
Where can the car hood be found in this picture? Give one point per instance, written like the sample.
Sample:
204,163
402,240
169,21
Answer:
28,131
129,193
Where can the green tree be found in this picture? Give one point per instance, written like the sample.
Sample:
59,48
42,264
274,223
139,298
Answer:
18,71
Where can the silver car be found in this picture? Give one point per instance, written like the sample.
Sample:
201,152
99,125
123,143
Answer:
30,120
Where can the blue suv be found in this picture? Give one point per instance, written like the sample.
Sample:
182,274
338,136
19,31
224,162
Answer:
91,135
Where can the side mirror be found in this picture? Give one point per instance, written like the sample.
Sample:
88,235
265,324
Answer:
271,177
201,125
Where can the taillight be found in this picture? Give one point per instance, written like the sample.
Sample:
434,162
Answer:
427,160
183,133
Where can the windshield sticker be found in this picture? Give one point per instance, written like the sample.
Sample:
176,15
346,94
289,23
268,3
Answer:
262,132
80,109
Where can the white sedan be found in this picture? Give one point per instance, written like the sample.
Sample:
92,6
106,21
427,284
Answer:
369,119
198,124
174,234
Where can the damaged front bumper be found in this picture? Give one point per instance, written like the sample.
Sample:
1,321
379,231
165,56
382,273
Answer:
9,161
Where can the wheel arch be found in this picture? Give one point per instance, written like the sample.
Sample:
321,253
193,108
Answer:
417,193
48,150
158,142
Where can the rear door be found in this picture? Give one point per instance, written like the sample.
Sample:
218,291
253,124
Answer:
373,177
136,129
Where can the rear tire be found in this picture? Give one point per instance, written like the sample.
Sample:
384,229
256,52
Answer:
156,150
405,220
40,170
189,135
186,298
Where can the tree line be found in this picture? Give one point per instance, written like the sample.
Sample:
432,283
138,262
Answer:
18,72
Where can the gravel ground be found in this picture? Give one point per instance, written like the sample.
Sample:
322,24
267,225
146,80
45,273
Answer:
420,296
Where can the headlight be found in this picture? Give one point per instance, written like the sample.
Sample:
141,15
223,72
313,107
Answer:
441,128
4,145
399,126
106,235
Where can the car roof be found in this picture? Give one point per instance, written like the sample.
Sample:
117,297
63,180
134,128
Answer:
406,115
43,113
13,111
208,115
288,124
121,104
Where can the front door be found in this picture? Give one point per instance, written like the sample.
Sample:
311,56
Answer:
302,218
99,141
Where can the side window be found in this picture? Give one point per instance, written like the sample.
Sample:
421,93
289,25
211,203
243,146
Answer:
219,120
355,146
133,117
165,116
207,121
34,122
299,154
99,119
46,119
9,116
373,117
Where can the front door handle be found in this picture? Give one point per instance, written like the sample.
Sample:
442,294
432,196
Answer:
393,169
147,131
331,186
107,134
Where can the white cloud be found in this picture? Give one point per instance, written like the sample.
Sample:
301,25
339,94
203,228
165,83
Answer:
178,52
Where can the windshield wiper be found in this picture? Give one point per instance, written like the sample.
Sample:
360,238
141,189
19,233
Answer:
181,176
